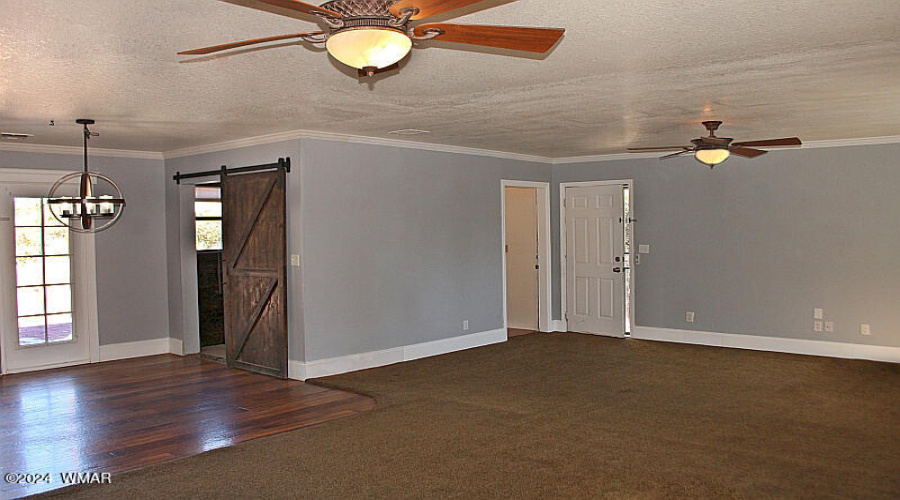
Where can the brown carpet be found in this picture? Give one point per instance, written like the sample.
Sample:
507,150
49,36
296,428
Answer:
574,416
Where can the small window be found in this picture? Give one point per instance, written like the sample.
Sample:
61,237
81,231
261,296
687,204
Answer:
208,217
43,275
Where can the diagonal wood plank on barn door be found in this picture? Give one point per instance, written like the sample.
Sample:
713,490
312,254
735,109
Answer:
255,262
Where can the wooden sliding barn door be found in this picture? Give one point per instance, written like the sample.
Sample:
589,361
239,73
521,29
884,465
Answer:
254,259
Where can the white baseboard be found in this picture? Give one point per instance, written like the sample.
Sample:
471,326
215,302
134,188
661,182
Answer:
774,344
558,325
342,364
125,350
176,347
296,370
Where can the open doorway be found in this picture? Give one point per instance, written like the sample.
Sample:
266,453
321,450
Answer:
237,251
208,242
526,239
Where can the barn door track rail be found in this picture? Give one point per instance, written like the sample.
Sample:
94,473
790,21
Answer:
282,163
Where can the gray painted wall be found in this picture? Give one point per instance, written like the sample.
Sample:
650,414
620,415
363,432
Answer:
400,245
754,245
131,284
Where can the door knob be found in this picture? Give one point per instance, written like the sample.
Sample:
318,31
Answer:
617,269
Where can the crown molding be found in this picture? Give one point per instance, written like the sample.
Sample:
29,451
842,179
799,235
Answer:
215,147
356,139
442,148
78,151
607,157
380,141
861,141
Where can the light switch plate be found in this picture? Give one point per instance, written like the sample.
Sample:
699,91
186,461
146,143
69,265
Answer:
295,260
643,248
818,313
689,316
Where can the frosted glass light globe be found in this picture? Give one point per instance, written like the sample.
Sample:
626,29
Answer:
368,47
712,157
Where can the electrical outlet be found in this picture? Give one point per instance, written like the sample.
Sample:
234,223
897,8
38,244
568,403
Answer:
689,316
818,313
829,326
465,325
865,329
295,260
817,325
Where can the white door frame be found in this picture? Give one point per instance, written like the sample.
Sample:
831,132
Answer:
545,301
190,294
562,239
84,260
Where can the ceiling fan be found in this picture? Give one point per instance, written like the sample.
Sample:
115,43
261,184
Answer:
374,35
713,150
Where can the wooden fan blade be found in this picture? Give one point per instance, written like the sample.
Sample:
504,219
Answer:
503,37
673,155
747,152
788,141
303,7
661,148
232,45
428,8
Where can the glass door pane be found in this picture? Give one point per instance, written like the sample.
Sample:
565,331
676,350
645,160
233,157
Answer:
43,275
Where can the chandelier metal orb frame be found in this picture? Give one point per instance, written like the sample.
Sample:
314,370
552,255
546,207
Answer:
99,202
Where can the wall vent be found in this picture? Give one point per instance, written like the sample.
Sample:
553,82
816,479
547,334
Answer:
14,136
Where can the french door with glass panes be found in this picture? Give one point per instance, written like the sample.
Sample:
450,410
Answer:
44,314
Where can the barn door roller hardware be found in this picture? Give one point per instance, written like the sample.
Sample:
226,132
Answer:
282,163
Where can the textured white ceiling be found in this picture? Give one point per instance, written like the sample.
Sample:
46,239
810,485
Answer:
627,73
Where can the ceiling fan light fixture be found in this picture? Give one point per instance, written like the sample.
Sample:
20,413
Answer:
711,157
369,47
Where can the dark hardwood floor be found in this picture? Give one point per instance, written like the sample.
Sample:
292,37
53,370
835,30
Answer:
121,415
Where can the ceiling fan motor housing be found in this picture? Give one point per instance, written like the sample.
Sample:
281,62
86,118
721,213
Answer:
711,142
361,8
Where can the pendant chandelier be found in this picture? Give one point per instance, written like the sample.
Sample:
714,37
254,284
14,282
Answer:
98,202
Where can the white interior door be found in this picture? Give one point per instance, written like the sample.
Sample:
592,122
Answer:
47,284
521,258
595,277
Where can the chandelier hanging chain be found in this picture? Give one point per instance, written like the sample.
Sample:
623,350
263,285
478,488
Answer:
87,135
